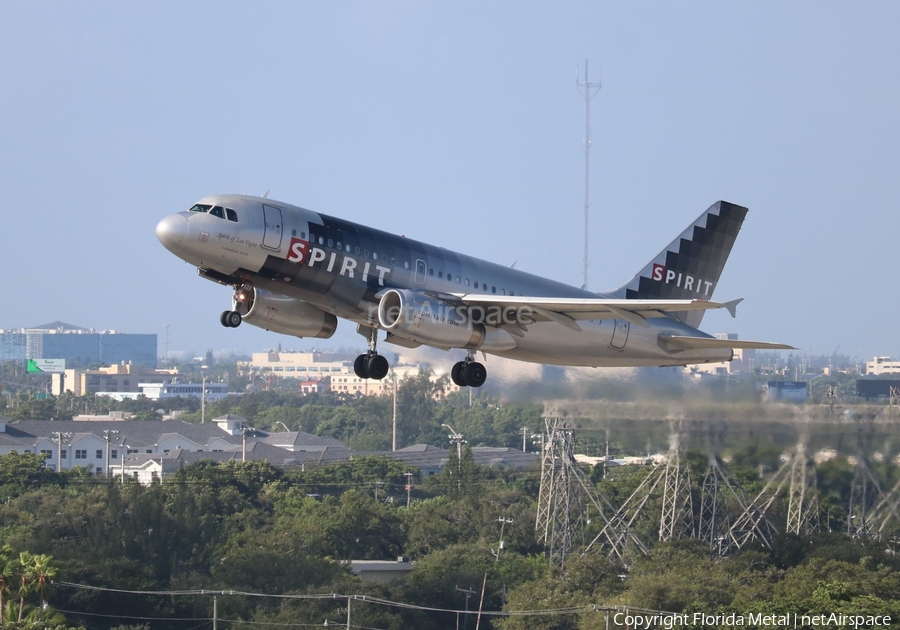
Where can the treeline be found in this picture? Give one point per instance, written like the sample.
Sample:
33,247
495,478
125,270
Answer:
251,528
360,422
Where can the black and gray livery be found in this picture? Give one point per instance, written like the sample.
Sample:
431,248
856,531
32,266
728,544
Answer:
297,272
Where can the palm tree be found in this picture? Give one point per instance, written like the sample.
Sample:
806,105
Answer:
24,565
5,571
43,574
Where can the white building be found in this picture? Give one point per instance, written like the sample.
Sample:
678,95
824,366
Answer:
743,362
302,365
99,445
882,365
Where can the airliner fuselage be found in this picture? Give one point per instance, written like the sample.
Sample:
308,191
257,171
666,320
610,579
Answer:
296,272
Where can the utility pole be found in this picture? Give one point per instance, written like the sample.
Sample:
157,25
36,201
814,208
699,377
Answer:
524,433
203,401
394,421
588,90
457,438
469,592
59,438
124,453
107,435
408,487
244,431
504,521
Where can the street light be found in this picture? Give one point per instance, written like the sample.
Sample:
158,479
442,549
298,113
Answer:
455,438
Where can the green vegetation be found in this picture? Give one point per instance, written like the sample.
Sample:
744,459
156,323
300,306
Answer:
249,527
155,555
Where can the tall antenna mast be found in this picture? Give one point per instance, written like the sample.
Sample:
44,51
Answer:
588,89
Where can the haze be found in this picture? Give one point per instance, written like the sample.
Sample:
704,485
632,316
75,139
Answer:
458,124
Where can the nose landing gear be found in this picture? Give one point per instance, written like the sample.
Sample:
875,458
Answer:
241,302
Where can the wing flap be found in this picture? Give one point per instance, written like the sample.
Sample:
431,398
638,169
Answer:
567,311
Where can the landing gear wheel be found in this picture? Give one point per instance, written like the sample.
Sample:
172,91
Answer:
475,374
456,374
359,366
232,319
377,367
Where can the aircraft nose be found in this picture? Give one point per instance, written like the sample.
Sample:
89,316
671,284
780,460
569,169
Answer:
171,231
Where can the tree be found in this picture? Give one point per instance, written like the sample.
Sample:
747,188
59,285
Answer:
32,573
43,573
6,569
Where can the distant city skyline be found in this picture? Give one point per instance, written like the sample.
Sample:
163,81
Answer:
458,124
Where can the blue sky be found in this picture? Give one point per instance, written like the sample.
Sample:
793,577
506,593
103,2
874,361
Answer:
457,123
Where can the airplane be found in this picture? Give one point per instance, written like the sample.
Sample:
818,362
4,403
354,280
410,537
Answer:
296,272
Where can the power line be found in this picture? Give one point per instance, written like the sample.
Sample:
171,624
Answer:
339,597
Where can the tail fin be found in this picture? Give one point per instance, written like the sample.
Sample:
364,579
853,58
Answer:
689,268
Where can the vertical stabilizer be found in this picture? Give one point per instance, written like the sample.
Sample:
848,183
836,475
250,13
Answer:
689,268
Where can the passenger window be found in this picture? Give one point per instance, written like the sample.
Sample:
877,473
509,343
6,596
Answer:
502,291
303,235
330,243
365,253
218,211
340,245
406,264
356,251
431,271
493,289
458,279
467,282
476,284
321,240
348,248
200,207
232,215
374,255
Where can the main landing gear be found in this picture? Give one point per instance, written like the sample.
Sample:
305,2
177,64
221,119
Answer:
371,364
468,373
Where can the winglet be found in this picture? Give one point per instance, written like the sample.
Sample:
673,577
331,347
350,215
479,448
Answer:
732,306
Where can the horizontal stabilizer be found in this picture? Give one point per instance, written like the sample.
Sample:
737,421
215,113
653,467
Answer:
692,343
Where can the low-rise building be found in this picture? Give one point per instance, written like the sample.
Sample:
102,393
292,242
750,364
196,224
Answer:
152,449
743,362
882,365
122,377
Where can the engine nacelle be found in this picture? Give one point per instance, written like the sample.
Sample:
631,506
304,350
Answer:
283,314
426,320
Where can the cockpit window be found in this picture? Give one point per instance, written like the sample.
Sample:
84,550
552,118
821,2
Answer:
232,215
218,211
200,207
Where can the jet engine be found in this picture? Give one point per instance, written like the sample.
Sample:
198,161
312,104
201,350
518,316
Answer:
424,319
283,314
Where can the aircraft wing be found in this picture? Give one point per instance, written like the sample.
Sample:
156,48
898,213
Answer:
566,311
692,343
